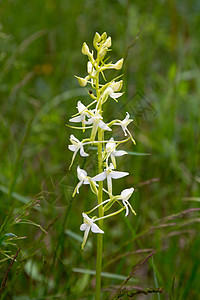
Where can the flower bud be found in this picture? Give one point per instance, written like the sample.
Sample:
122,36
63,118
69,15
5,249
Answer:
116,86
82,81
118,64
103,52
89,67
104,36
85,49
97,38
108,42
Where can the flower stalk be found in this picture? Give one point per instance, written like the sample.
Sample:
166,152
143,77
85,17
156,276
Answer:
91,118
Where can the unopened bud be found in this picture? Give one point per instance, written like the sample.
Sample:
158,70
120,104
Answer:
82,81
85,49
103,52
104,36
118,65
108,42
116,86
97,38
89,67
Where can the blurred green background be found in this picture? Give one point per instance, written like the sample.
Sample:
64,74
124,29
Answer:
40,52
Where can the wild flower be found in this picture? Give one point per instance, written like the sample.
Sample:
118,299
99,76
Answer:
92,115
87,225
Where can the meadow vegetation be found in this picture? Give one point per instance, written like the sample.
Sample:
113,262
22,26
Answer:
154,255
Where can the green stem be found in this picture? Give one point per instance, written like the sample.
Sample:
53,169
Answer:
101,214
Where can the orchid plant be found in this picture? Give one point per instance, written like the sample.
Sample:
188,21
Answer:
91,119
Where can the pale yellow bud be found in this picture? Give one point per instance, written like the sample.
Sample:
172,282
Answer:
89,67
104,36
103,52
108,42
85,49
118,65
97,38
116,86
82,81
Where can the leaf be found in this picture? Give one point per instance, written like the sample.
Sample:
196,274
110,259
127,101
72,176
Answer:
103,274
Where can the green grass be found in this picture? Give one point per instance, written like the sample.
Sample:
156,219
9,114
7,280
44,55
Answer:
40,43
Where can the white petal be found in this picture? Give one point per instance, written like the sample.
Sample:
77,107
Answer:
72,147
96,229
111,144
109,183
119,152
89,220
113,159
127,209
87,230
99,177
111,166
83,227
116,86
115,95
81,173
89,67
124,129
76,119
86,181
73,138
116,174
103,125
82,152
78,186
80,106
89,121
125,194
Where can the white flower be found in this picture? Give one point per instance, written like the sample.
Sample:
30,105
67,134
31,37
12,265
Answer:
112,152
86,226
109,174
83,179
96,120
124,123
75,147
112,94
111,90
125,195
83,112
